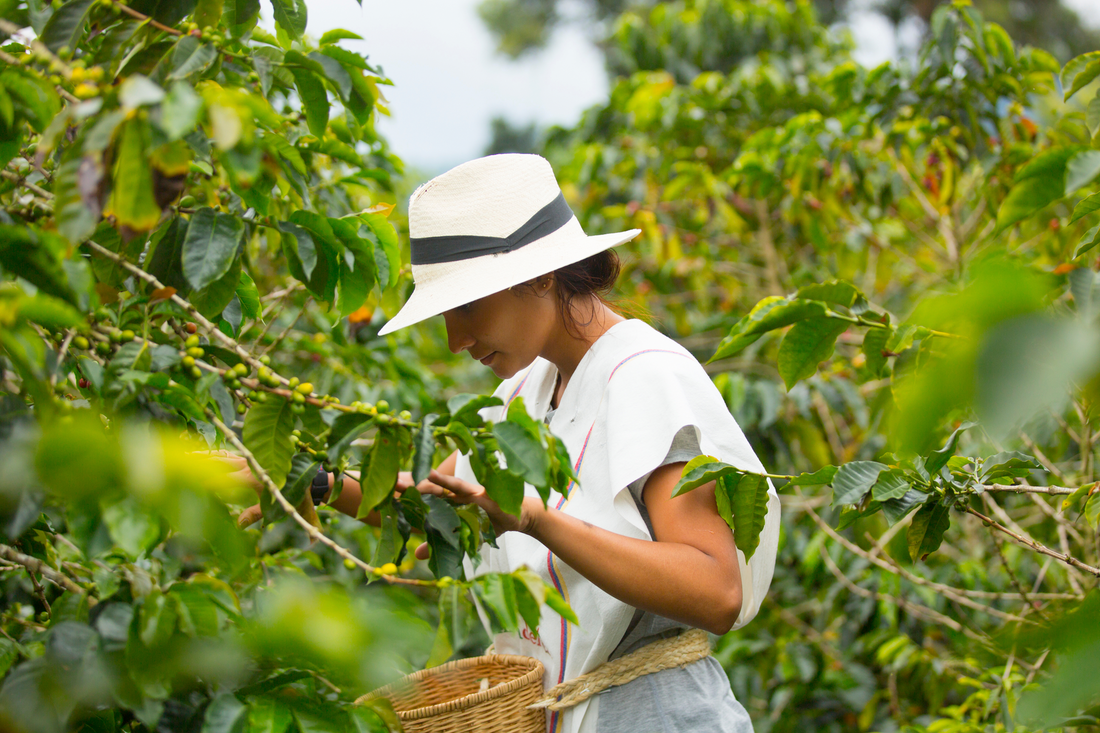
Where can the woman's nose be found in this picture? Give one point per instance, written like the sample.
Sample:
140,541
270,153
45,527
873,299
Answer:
458,339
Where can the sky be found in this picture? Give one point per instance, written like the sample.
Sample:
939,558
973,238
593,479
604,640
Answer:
450,82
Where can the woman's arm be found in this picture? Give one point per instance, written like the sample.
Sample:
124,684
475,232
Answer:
351,493
690,573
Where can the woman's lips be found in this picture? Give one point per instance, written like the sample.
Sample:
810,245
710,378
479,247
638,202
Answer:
488,358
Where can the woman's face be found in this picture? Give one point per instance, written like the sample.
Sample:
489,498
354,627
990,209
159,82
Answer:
505,331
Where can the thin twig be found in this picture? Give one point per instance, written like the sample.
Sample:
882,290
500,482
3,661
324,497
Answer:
1037,546
923,612
35,565
956,594
20,181
314,533
145,18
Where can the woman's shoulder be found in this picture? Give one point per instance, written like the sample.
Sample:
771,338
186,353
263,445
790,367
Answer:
642,351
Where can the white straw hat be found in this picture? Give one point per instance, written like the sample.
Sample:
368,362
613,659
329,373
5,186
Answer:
485,226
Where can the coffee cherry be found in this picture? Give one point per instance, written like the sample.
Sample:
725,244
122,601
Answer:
382,405
349,563
84,383
190,327
241,369
191,342
305,388
188,361
241,409
128,335
293,383
265,360
298,398
196,351
81,343
297,409
102,348
196,373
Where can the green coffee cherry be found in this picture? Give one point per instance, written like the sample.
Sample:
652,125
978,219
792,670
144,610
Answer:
196,352
382,405
242,369
304,388
81,343
265,359
298,398
196,373
293,383
241,409
128,335
192,341
188,362
187,202
297,409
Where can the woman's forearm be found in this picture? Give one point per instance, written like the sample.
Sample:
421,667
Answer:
671,579
351,492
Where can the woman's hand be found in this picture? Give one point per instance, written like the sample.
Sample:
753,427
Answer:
465,492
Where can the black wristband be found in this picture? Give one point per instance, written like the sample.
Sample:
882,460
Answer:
319,487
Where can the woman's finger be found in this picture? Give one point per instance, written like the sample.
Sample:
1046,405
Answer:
250,515
452,484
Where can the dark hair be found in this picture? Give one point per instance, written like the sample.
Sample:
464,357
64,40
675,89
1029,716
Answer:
595,275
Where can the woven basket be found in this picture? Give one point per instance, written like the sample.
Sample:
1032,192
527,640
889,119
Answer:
450,699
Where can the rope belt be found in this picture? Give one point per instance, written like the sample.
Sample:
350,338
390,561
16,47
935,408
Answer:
676,651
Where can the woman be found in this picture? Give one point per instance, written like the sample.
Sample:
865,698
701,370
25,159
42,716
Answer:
497,251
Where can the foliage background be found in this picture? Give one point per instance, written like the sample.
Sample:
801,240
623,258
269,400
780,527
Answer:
949,209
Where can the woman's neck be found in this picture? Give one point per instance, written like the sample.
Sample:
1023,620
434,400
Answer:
568,346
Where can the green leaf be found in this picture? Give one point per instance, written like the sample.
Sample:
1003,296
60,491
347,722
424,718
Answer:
208,12
131,526
303,469
380,474
1016,376
1079,494
190,56
1079,72
66,26
1092,117
387,237
266,433
139,91
926,531
806,345
300,250
506,489
314,99
1090,240
226,714
1081,170
702,470
768,315
442,649
874,349
1092,511
499,592
891,484
132,202
338,34
464,408
902,338
290,15
1088,205
180,110
938,459
210,247
833,291
266,715
390,542
249,296
896,510
425,449
853,481
523,451
334,71
212,300
1007,465
1040,182
820,477
747,498
346,428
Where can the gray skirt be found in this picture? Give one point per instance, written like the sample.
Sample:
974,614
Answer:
679,700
